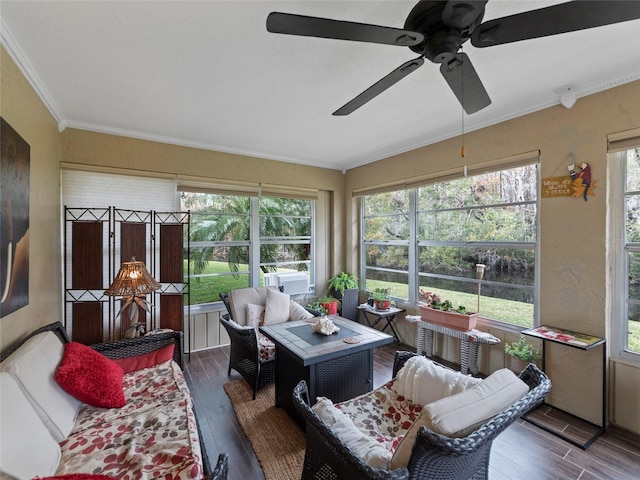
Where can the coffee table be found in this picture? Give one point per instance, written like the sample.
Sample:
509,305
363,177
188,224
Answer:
331,367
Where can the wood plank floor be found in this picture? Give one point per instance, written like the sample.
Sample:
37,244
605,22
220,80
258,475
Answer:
523,451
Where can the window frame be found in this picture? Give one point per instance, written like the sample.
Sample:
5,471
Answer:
619,249
414,243
254,241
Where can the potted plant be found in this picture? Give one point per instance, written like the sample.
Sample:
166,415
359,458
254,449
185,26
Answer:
381,298
330,304
344,287
521,353
340,283
442,312
317,307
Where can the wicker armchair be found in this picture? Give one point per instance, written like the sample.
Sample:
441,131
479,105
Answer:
434,456
222,468
244,352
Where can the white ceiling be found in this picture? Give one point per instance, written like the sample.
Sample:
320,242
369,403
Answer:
207,74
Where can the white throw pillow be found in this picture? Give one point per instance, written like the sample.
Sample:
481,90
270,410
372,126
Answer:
298,312
27,448
33,366
276,307
254,315
365,447
460,414
422,381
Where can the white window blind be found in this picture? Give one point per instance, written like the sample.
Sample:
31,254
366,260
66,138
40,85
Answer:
88,189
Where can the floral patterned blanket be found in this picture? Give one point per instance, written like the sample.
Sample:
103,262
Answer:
389,428
153,436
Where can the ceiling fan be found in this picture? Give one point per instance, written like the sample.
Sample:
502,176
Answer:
436,31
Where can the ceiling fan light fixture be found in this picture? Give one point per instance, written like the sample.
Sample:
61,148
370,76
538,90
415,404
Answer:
568,96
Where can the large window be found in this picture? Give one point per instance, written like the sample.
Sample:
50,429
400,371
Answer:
434,237
235,240
626,252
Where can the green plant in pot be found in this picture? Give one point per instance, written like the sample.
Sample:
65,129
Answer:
521,353
317,307
341,282
382,298
330,304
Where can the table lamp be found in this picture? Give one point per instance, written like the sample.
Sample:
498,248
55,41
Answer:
133,282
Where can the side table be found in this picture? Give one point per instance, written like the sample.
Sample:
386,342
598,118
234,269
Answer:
469,342
583,342
372,317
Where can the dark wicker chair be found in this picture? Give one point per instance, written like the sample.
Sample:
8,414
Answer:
221,470
434,456
123,349
244,355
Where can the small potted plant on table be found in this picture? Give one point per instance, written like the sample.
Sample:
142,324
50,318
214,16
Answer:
330,304
521,353
381,299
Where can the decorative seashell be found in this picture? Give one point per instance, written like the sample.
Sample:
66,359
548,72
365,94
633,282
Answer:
325,326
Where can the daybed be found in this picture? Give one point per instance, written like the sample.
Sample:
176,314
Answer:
428,422
252,354
138,425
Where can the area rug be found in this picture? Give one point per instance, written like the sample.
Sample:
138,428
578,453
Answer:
277,441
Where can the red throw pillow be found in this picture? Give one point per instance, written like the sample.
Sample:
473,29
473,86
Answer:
77,476
90,376
131,364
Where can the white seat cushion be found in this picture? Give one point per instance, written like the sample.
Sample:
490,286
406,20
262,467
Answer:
33,366
422,381
27,448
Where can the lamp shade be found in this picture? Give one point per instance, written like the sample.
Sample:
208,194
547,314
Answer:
132,279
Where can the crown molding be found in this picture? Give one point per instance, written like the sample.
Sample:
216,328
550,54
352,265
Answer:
20,59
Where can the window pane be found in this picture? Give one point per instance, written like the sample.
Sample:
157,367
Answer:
212,269
634,275
387,216
284,253
396,282
387,256
515,266
284,226
633,331
288,206
506,186
633,218
633,170
514,223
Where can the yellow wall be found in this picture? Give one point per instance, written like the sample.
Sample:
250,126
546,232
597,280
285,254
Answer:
573,240
23,110
573,232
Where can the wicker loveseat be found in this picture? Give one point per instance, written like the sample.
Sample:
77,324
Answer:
145,429
252,354
332,452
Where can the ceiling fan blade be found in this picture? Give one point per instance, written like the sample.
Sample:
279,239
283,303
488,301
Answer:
465,83
554,20
461,14
380,86
337,29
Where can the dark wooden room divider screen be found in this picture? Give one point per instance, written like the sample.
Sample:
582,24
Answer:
96,242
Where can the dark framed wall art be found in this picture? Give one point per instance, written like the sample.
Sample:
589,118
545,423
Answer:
14,220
